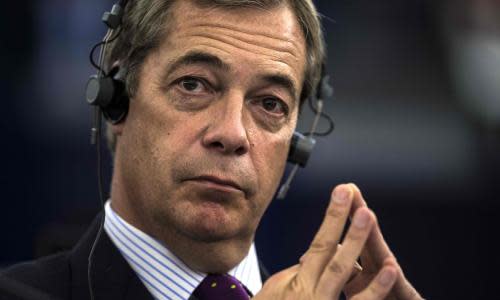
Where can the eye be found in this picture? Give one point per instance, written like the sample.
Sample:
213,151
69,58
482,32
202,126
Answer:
191,84
274,106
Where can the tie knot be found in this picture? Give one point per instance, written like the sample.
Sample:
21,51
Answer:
217,286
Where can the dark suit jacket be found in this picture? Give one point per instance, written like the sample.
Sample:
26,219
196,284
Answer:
64,275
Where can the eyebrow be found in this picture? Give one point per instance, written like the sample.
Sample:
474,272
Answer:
196,57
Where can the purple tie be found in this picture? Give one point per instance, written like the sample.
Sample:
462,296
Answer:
217,287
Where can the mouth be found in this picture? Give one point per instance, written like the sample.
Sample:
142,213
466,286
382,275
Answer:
213,182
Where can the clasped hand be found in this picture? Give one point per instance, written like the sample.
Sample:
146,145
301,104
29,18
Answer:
328,269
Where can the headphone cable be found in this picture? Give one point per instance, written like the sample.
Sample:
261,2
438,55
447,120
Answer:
96,139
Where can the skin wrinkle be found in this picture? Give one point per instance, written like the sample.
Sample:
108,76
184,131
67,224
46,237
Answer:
215,32
247,32
222,39
226,30
249,37
194,58
206,45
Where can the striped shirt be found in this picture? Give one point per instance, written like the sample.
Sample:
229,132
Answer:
165,275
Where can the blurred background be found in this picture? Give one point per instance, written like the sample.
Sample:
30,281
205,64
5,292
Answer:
417,113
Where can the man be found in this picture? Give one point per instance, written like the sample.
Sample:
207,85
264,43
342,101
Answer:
215,88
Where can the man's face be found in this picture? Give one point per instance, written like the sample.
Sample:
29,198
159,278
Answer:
207,135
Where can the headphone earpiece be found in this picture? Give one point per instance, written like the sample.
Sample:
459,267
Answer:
109,93
300,149
99,90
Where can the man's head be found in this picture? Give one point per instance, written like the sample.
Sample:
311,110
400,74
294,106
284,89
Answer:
215,95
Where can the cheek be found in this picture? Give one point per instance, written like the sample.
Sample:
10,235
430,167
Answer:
148,139
270,161
154,125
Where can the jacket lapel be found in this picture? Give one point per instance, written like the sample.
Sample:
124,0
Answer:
264,273
111,275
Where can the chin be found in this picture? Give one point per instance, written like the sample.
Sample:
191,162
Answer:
208,234
212,222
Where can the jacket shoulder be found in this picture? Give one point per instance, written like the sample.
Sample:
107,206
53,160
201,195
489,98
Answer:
49,275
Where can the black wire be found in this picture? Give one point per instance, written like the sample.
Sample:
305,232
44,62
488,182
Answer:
101,197
101,43
331,124
91,57
91,257
99,160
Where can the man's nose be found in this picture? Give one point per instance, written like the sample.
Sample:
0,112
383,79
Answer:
227,132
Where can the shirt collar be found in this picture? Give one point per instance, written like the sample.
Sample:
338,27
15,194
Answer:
164,274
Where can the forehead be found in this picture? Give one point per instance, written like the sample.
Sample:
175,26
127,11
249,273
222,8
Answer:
264,37
274,24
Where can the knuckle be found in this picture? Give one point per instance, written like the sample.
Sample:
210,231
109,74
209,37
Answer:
322,246
356,235
376,289
337,268
299,289
296,285
335,213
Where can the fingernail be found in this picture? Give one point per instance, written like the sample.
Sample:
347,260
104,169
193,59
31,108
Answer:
361,219
387,277
341,195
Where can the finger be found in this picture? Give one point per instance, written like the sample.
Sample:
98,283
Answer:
380,251
357,198
377,251
340,267
380,286
325,242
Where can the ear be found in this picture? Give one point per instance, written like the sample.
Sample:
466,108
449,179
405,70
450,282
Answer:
116,111
116,63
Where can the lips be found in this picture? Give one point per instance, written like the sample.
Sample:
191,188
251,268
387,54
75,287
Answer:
218,181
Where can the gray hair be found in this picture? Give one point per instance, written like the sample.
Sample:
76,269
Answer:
144,25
